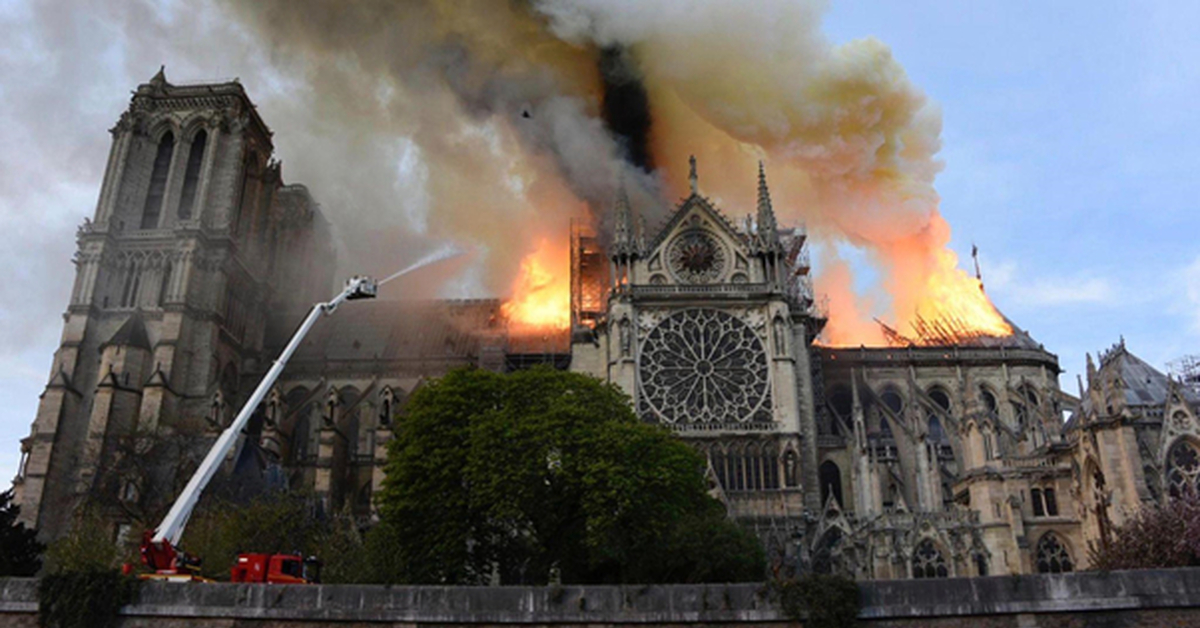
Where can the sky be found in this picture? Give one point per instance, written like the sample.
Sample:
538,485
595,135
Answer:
1069,137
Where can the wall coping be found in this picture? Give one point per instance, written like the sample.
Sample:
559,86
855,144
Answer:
649,604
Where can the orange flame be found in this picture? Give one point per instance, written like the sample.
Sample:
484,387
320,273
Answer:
955,302
935,302
541,294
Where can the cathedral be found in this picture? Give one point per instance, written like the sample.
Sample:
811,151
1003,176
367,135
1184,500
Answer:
928,458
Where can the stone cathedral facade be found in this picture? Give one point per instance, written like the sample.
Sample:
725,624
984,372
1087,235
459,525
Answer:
922,459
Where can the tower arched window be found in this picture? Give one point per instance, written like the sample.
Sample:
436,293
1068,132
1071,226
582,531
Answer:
1052,556
158,181
928,562
1183,469
191,176
129,292
165,285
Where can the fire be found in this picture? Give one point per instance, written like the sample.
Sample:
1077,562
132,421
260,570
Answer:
934,301
954,308
541,294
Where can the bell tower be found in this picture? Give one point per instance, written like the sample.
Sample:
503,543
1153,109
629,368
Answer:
192,230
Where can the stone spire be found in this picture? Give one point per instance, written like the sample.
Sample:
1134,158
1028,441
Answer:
768,228
692,178
623,231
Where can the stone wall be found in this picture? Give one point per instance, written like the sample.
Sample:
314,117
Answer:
1126,599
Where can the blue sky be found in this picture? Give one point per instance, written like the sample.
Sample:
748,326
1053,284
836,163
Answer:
1069,139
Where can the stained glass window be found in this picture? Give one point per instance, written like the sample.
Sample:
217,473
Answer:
704,366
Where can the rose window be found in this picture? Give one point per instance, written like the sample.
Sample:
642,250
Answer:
703,366
696,257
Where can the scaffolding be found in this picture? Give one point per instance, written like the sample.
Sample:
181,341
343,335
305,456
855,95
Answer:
589,277
1186,371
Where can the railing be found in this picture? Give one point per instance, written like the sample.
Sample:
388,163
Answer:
671,290
938,354
749,426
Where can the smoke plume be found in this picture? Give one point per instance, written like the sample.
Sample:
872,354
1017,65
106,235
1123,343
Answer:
510,119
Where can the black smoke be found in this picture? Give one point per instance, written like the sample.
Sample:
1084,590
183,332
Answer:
626,106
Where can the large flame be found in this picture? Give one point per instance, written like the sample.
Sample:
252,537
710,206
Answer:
541,294
934,302
955,303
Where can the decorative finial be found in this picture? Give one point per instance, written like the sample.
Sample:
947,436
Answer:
768,229
692,178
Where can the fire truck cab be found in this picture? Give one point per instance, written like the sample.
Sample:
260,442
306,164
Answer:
275,569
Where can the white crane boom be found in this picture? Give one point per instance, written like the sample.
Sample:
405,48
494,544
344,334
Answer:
171,528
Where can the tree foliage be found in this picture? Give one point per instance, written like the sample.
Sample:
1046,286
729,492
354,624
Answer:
20,551
543,473
88,547
1159,536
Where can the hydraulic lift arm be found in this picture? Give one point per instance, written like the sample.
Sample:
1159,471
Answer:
158,551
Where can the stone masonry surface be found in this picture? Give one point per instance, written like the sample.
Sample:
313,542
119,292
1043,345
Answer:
1133,598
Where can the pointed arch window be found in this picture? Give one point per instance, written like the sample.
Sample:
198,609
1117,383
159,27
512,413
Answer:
893,401
928,562
1052,556
132,284
165,286
989,401
1183,469
158,181
754,468
130,271
191,176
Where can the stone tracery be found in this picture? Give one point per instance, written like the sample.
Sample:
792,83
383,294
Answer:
1052,557
1183,468
702,366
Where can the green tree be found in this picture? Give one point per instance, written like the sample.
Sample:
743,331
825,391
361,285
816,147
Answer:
544,472
20,552
88,547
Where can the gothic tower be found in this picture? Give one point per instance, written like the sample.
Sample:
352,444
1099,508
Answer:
192,233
